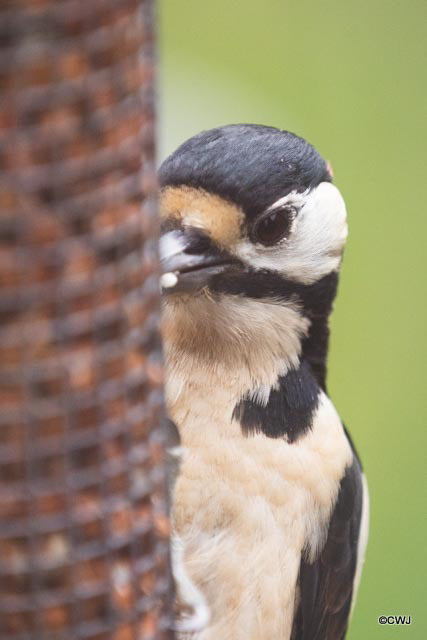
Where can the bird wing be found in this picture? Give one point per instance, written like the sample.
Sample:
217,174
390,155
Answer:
326,586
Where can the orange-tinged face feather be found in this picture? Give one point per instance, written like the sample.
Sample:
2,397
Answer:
222,221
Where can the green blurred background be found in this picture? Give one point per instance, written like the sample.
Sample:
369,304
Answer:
349,77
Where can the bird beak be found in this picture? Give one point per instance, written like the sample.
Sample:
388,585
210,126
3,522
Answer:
188,260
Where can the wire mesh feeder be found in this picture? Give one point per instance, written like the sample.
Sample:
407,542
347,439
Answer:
83,527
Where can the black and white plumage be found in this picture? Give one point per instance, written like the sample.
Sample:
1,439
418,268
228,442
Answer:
270,507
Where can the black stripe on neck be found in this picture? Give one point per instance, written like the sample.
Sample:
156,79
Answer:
314,299
290,408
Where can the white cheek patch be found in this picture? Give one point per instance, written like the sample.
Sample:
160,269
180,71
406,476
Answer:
315,244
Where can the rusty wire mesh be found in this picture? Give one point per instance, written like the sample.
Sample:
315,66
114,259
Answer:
83,532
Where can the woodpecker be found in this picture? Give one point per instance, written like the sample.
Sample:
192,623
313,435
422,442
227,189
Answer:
270,505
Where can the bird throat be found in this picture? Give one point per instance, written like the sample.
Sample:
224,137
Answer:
239,361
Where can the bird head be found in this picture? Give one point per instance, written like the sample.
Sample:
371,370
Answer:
253,232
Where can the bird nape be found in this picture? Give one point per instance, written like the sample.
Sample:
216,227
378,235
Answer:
269,506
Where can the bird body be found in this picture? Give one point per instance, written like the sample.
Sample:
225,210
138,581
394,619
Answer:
269,506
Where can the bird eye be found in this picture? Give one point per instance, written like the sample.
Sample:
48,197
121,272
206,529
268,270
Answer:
273,226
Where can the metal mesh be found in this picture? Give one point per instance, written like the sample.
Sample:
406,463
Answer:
83,526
